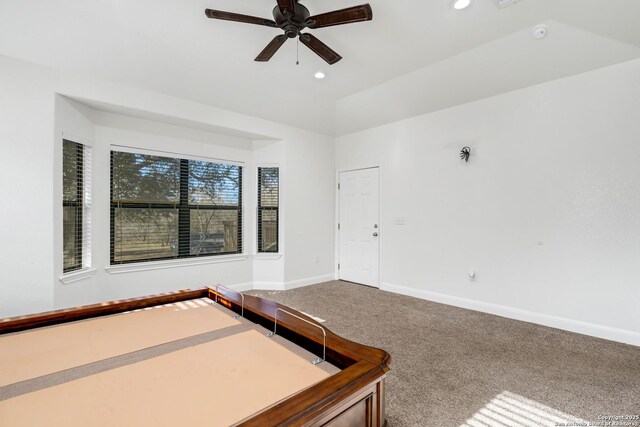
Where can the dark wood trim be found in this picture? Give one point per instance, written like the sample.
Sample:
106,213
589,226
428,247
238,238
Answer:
361,377
22,323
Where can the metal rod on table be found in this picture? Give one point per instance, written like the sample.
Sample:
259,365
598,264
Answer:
324,333
241,295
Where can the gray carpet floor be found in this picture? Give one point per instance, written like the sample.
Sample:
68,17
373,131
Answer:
457,367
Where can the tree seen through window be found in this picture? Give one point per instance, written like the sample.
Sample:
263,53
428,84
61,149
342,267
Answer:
164,207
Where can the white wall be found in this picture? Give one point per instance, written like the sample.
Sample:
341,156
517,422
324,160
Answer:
556,164
309,208
35,117
306,214
26,171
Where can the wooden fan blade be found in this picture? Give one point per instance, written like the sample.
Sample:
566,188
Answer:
287,5
321,49
230,16
271,48
342,16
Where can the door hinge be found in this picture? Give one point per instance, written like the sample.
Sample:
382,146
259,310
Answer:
338,266
338,226
338,186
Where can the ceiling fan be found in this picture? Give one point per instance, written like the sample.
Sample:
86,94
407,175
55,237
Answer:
292,18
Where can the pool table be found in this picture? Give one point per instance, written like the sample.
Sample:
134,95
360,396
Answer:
208,356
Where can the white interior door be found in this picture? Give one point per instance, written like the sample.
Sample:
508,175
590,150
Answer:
359,226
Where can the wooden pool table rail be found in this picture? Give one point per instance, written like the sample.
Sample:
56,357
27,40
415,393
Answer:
354,396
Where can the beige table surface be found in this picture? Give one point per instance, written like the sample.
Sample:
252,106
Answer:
42,351
218,383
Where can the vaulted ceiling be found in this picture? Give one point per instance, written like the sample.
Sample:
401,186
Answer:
414,57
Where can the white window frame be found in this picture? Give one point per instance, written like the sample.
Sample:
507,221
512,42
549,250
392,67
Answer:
86,270
268,255
138,266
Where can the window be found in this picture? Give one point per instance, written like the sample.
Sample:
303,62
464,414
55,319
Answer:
268,187
164,208
75,205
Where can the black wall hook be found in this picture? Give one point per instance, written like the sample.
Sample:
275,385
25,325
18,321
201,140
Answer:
465,153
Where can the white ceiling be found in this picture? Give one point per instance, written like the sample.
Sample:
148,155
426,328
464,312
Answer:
416,56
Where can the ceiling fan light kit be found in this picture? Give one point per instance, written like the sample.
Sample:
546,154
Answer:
292,17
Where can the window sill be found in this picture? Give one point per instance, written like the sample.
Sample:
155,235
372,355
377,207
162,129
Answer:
76,276
266,256
157,265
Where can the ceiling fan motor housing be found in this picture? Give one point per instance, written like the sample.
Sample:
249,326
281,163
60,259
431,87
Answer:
292,24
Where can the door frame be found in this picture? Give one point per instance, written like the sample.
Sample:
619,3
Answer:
336,274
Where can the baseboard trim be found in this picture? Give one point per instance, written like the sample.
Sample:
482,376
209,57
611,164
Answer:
268,286
293,284
585,328
241,287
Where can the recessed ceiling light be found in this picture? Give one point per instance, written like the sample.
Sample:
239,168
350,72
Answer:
319,75
460,4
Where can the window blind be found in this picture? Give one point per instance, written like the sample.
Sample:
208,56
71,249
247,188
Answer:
72,205
165,207
268,208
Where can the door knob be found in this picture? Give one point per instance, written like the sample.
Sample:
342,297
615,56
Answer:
375,234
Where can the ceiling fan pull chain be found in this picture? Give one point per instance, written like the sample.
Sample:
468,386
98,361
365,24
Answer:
298,51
